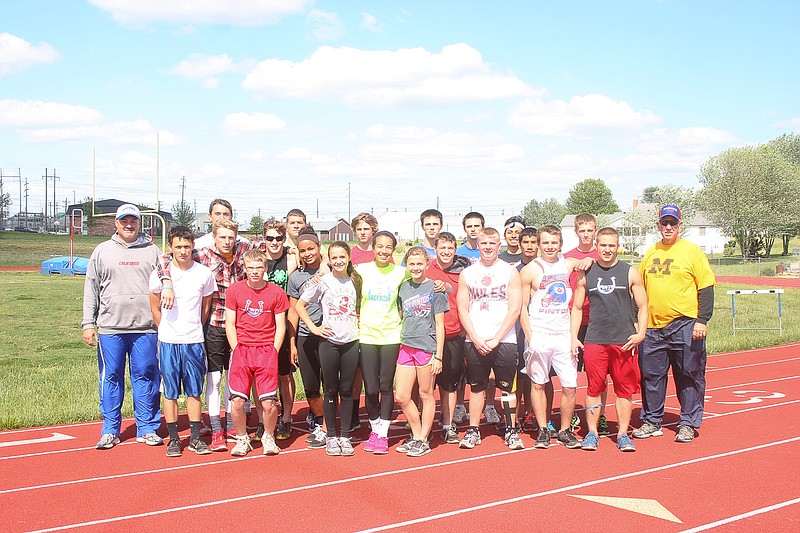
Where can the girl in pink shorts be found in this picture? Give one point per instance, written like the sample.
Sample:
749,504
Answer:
421,347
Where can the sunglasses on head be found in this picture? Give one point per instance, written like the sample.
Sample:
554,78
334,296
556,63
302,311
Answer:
673,223
270,238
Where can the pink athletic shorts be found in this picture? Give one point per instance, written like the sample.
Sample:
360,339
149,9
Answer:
601,360
413,357
253,362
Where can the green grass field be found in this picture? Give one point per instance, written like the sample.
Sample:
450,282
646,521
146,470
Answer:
48,376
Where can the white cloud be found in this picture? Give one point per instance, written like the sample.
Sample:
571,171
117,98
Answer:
37,114
581,116
213,170
386,77
238,13
324,25
296,154
687,141
130,132
791,124
243,123
253,155
370,23
204,68
17,54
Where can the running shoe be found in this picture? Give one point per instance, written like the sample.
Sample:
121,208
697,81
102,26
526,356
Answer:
529,423
242,447
269,446
320,440
151,439
107,442
199,447
174,448
567,438
685,433
218,442
590,442
513,440
552,429
575,423
602,426
421,447
542,438
369,446
491,415
624,443
406,445
459,414
471,439
450,435
346,446
259,432
648,429
204,429
381,446
283,430
317,434
332,446
355,424
232,435
311,420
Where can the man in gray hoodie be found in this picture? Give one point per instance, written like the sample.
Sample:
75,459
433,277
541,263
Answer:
117,319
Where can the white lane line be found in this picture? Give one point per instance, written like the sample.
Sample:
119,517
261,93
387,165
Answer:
748,365
742,516
575,487
55,437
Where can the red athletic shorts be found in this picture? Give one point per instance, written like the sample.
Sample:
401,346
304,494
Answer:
248,362
604,359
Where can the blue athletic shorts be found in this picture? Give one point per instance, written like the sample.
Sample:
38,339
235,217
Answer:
181,364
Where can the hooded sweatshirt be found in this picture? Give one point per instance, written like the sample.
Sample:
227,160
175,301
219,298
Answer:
115,294
452,326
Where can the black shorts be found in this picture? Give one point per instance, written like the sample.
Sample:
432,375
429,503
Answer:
218,351
285,366
452,364
503,360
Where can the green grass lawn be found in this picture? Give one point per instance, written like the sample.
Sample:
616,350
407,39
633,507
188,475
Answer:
30,249
48,376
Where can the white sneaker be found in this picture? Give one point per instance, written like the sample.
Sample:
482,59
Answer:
107,442
268,443
460,414
242,446
491,415
151,439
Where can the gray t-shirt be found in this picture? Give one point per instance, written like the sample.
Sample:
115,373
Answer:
420,304
298,280
337,298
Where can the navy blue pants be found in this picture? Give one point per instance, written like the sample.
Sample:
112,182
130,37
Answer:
672,346
112,353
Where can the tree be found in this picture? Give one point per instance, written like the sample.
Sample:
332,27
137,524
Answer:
788,145
591,196
90,220
637,224
751,193
649,195
256,225
550,211
183,214
683,197
5,202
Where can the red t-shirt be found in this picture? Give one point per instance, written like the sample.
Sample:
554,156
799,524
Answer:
255,311
573,278
452,326
358,256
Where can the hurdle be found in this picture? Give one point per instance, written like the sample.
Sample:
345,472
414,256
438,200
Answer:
733,295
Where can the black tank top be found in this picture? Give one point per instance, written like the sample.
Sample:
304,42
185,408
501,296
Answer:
612,312
278,270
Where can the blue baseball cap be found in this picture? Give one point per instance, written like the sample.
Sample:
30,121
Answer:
128,210
670,210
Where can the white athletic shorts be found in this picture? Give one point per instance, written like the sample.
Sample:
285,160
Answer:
551,350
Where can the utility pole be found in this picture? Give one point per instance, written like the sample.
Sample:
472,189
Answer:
349,217
54,195
183,188
26,202
46,177
5,213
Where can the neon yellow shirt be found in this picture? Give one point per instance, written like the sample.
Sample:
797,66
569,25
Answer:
672,275
380,318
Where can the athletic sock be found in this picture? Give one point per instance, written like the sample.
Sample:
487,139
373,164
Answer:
194,428
172,428
445,427
383,428
375,425
216,423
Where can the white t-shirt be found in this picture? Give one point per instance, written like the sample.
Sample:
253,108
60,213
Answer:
488,298
183,323
548,308
337,299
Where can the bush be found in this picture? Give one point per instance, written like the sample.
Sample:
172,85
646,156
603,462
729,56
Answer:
768,271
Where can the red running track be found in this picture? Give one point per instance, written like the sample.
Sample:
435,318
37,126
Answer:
741,472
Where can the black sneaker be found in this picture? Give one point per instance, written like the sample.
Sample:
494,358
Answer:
567,438
450,436
259,432
283,430
199,447
602,426
174,448
542,438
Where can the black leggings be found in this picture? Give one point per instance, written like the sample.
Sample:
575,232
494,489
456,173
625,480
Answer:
378,364
339,363
308,355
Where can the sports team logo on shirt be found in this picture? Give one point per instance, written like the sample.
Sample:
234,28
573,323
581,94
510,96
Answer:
658,269
486,281
556,294
252,311
342,306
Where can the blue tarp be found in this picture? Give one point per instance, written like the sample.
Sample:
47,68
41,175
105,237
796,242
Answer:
60,265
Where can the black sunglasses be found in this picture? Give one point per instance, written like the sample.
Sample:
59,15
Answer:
270,238
673,223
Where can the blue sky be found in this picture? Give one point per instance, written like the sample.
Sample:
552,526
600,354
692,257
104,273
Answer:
409,105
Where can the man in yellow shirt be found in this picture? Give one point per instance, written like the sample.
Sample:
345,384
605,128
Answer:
680,294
